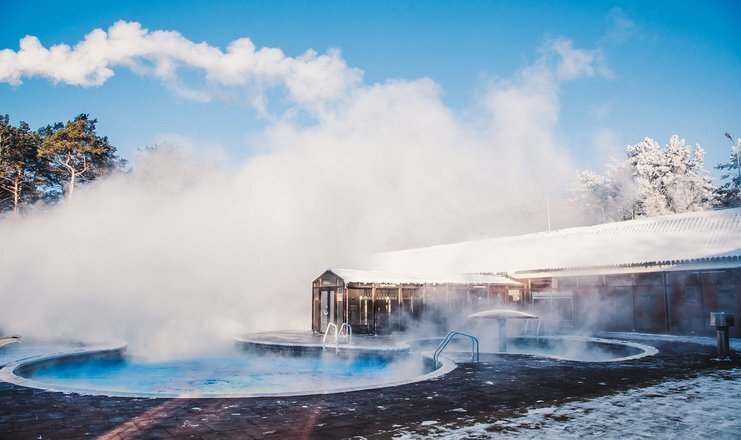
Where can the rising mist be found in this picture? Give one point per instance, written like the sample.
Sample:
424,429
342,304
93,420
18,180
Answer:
187,249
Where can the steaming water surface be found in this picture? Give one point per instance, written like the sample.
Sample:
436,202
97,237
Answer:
237,373
108,371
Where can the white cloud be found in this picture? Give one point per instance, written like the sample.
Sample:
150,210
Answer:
620,28
575,63
310,79
602,111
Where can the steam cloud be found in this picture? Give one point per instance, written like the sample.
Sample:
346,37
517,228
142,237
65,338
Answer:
180,253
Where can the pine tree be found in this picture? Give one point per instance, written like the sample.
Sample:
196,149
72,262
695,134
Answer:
20,169
729,193
76,154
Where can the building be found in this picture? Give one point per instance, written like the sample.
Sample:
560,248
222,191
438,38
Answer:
658,274
377,302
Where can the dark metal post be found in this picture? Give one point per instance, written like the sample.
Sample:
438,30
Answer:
722,321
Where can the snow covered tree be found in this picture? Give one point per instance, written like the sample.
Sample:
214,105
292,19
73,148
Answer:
603,199
670,180
729,193
591,192
646,163
650,181
689,187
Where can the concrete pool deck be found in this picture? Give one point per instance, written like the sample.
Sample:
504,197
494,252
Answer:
496,388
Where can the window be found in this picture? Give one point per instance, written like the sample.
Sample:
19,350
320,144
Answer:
691,294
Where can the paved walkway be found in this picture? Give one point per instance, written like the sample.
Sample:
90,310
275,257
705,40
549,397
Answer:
498,387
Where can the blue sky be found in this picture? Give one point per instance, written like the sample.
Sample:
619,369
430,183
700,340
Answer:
674,67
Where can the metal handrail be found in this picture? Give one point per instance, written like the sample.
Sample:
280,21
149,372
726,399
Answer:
326,333
338,332
536,329
446,341
349,333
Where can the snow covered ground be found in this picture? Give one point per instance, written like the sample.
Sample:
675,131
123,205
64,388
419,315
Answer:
706,406
702,407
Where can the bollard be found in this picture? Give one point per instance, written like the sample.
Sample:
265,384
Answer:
722,321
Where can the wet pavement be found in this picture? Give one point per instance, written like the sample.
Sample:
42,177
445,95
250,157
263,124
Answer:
498,387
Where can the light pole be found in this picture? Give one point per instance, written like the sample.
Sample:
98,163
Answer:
604,217
548,208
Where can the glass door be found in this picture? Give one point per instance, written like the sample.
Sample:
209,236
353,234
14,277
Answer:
326,309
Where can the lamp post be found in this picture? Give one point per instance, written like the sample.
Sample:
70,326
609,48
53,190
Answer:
604,216
548,208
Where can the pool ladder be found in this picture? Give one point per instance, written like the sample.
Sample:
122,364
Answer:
535,326
446,341
338,333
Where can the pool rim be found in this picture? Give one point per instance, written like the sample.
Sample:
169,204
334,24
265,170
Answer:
8,374
447,365
647,350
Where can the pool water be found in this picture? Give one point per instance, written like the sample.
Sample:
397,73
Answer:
582,350
239,373
573,348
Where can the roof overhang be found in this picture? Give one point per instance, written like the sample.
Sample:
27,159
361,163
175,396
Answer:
733,262
392,279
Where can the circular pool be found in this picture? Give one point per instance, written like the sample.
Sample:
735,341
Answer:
233,374
302,370
579,348
562,347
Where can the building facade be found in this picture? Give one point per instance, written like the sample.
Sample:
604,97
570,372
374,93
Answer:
671,301
375,302
661,274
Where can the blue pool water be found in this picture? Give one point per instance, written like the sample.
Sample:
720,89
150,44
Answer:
233,374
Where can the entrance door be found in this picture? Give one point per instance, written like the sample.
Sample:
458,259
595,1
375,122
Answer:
327,309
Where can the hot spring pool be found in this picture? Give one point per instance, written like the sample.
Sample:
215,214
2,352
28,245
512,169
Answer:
567,347
253,373
237,373
580,349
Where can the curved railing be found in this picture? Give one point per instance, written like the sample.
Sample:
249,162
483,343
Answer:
326,333
338,332
446,341
348,334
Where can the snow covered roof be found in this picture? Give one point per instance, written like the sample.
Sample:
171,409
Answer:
383,277
706,238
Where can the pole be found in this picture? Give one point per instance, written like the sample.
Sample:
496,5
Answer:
548,209
604,216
